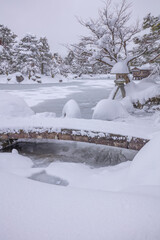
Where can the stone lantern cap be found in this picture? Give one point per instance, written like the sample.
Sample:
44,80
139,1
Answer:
120,68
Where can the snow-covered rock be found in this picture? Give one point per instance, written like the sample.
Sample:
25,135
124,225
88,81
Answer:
13,106
145,168
108,109
15,78
71,110
60,78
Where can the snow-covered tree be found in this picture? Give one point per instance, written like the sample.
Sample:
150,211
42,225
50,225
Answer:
45,56
79,61
150,40
7,55
28,56
110,34
58,65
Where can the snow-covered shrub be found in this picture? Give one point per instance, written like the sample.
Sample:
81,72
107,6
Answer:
13,106
130,88
143,92
108,109
145,168
71,110
127,103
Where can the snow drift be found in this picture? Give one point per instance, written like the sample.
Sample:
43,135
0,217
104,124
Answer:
9,161
145,168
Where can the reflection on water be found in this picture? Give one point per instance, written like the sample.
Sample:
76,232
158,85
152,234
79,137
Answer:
43,153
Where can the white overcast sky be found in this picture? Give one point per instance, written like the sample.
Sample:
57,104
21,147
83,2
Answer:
56,19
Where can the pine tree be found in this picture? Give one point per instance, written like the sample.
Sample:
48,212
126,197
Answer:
80,59
45,56
58,65
7,56
150,40
28,56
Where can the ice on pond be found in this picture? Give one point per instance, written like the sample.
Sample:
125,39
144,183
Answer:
46,178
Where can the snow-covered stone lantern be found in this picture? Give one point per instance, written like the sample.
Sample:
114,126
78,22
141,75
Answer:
121,70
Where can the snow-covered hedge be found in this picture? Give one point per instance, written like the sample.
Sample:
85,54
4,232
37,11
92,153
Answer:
71,110
143,91
13,106
108,109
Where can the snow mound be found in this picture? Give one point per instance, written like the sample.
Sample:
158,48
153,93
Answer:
13,106
145,168
9,161
71,110
108,109
120,67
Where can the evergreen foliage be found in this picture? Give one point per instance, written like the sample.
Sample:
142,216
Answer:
7,55
45,56
150,40
28,56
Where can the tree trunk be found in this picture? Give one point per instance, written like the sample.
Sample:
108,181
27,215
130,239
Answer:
42,68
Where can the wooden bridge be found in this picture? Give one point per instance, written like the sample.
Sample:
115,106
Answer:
103,138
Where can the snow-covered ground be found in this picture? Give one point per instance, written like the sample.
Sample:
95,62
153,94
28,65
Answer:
82,202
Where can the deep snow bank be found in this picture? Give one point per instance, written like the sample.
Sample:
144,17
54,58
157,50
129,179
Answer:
33,210
11,161
145,168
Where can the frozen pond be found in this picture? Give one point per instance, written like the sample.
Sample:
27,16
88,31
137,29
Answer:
52,97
